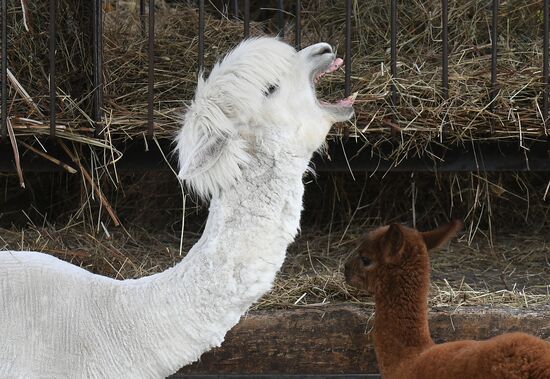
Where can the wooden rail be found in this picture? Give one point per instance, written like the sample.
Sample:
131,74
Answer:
335,339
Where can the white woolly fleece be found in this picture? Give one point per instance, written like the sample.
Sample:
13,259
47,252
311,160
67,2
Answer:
248,151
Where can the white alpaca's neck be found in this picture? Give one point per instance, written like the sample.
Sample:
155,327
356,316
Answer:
89,326
190,307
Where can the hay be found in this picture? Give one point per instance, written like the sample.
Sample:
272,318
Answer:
515,272
490,204
502,258
419,115
125,71
28,49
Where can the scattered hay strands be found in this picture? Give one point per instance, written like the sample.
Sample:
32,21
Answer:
516,274
421,115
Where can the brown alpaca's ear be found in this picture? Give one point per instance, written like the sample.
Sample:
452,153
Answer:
440,236
393,243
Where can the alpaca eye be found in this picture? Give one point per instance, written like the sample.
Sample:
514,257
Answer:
366,261
271,89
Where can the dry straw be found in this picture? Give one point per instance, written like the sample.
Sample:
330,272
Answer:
312,275
421,113
500,259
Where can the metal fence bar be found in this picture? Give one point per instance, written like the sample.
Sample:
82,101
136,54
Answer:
298,26
4,71
545,66
53,37
98,65
393,49
236,8
494,36
151,73
246,18
497,156
445,57
201,35
281,18
142,15
347,62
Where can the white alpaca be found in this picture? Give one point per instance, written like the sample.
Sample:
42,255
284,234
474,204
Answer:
246,141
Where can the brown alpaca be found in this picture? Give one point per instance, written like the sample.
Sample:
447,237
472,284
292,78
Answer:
393,265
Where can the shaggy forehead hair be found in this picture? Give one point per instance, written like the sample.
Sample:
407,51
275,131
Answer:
255,63
210,145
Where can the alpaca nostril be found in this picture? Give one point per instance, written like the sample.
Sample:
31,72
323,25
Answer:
324,50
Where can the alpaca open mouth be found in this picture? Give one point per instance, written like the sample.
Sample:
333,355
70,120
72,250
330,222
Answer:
344,103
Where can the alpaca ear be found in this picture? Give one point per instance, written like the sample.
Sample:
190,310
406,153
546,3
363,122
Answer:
210,150
202,157
393,243
440,236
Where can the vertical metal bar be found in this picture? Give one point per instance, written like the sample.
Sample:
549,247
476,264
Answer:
53,37
151,74
545,66
201,35
393,43
347,62
246,18
281,18
142,14
4,118
445,57
298,26
236,8
347,59
494,36
98,65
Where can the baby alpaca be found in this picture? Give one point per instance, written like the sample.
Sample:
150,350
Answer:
393,265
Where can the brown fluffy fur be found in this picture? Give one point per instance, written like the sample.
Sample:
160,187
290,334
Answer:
393,265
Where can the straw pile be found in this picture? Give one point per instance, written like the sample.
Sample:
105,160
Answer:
419,114
516,274
28,64
501,259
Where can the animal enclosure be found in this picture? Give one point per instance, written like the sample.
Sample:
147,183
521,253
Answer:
471,76
455,88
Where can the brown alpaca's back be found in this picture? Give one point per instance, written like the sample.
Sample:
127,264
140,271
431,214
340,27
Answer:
393,265
509,356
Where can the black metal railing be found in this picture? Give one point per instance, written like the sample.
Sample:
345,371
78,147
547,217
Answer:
148,22
97,112
151,73
4,69
52,72
545,67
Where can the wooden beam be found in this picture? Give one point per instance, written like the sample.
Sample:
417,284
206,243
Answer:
336,340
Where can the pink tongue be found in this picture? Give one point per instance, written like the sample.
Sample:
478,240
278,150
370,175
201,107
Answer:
345,102
348,101
335,65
